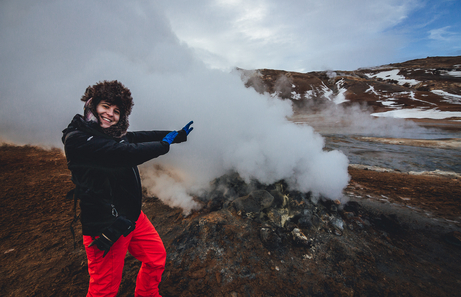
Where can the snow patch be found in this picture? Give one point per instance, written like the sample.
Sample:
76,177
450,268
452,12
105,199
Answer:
390,103
309,94
417,114
295,96
454,73
371,90
327,92
330,94
394,75
412,97
449,98
341,97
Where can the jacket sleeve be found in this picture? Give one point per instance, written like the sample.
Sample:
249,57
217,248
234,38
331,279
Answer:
108,152
146,136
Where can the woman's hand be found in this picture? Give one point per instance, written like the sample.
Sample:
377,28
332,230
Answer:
187,127
170,137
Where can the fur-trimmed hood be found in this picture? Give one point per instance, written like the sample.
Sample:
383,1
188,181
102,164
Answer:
112,92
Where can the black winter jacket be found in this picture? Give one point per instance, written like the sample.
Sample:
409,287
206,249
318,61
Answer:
104,170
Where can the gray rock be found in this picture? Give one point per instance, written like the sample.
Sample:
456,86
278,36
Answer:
255,202
305,221
279,198
270,238
338,223
316,221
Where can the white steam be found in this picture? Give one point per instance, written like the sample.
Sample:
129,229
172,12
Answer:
51,51
357,119
168,185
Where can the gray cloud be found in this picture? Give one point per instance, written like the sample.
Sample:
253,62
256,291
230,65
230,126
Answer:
291,35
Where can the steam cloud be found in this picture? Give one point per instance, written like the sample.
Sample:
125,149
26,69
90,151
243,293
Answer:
321,111
51,51
356,119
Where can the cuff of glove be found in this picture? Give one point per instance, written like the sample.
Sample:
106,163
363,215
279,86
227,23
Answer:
182,136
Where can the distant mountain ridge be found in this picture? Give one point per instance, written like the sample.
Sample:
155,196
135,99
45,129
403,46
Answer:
433,83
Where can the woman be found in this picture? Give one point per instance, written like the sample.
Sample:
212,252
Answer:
103,159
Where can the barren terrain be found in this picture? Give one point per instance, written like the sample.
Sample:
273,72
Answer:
400,237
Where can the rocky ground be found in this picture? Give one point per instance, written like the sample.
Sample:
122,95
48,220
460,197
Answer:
398,235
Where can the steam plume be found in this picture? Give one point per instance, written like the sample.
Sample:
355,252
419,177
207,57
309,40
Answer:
46,69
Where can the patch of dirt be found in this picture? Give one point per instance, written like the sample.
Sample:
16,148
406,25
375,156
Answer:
394,241
437,197
451,143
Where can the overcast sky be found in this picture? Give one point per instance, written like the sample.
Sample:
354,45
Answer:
302,35
308,35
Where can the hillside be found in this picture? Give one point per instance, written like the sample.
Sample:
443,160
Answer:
426,84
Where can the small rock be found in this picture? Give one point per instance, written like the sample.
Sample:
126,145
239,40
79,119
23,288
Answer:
316,221
264,233
269,237
338,223
279,198
8,251
300,238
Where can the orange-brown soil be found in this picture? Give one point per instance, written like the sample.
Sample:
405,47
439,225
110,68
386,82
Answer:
399,250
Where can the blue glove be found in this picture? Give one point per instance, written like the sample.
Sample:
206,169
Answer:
170,137
187,127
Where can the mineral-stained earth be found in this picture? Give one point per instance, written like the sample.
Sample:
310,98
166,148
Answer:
399,235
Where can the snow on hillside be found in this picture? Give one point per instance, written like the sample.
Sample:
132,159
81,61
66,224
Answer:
424,88
449,98
394,75
417,114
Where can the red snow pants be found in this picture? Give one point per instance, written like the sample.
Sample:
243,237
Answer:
144,244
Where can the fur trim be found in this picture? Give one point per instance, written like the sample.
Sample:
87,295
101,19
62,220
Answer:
112,92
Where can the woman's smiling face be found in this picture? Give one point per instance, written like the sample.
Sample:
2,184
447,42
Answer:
108,114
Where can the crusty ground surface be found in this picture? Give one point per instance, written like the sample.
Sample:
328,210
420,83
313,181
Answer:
406,257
